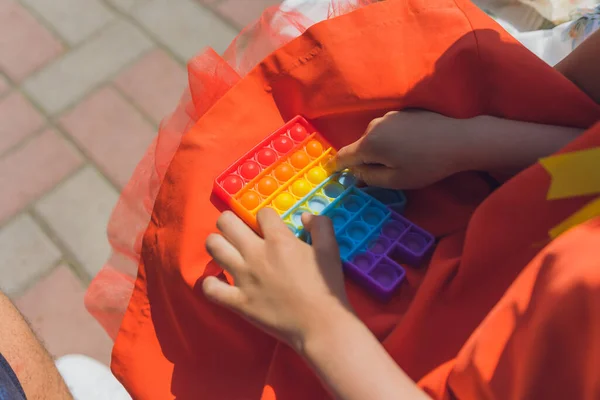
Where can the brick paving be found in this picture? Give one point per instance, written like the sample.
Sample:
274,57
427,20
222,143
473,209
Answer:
83,87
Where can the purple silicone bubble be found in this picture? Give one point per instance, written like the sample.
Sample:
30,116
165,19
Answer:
352,203
363,261
394,229
414,242
373,215
379,245
386,275
357,231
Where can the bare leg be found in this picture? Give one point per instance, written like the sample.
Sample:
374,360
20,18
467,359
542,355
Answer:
29,360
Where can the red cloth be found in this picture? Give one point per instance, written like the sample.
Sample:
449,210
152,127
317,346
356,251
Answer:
445,56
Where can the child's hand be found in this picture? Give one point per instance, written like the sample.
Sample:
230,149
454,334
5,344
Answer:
282,284
405,150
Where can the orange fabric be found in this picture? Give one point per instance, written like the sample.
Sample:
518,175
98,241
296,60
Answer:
444,56
542,340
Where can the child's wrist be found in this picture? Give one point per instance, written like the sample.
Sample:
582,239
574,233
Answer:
325,325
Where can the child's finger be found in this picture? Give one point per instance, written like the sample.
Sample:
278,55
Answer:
271,224
376,175
223,293
227,256
347,157
237,232
321,232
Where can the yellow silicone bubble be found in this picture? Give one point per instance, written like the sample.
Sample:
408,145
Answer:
314,148
301,188
284,201
316,175
250,200
299,159
267,185
284,172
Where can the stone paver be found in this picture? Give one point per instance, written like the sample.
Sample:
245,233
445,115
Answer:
32,169
244,12
83,87
184,26
55,310
25,254
18,119
74,20
155,83
4,86
69,78
113,133
78,211
126,6
25,45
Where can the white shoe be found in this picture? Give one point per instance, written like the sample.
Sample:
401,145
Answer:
88,379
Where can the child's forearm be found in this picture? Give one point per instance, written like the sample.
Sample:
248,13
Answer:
499,145
582,66
353,365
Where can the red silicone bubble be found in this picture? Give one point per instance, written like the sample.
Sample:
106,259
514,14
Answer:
233,184
283,144
249,169
298,133
266,157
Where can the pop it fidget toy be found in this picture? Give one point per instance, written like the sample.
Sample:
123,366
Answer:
286,171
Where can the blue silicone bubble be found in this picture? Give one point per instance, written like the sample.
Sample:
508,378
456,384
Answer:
296,216
317,204
346,179
373,215
333,190
352,203
339,217
345,246
357,231
386,196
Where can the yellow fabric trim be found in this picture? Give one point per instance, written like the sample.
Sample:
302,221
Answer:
573,174
589,211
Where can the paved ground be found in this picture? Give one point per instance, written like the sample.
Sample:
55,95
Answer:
83,86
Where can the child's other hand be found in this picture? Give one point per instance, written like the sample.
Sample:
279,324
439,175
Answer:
405,150
282,284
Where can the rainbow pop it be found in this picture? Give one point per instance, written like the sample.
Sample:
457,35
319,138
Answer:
287,171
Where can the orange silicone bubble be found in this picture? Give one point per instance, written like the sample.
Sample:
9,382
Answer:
314,148
284,201
284,172
301,188
299,159
250,200
267,185
316,175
